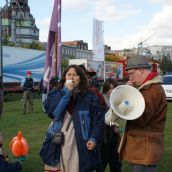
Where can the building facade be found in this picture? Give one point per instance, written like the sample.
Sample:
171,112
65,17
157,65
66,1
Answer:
76,50
84,54
18,24
160,51
79,44
68,52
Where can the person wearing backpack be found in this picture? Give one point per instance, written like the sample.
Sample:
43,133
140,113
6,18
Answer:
78,114
27,86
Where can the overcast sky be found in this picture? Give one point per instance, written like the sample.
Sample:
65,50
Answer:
126,22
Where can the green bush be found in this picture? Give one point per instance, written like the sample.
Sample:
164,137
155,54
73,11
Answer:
17,96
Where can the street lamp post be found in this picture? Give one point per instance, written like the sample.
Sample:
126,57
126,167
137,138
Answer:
1,66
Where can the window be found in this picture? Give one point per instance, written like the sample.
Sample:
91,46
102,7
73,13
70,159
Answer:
167,79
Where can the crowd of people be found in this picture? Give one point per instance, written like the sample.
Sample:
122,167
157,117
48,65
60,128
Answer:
95,144
78,139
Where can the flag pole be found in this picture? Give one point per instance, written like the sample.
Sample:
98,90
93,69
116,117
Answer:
104,51
98,43
55,51
1,66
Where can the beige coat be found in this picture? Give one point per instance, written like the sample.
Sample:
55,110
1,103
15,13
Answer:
143,139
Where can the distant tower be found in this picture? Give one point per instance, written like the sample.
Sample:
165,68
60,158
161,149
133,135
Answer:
18,24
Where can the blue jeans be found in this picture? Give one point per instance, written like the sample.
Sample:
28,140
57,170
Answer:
143,168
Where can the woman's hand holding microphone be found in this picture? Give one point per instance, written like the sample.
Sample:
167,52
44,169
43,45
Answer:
69,84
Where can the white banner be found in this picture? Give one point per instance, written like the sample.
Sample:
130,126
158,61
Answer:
98,42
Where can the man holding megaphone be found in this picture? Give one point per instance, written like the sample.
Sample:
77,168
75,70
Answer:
142,142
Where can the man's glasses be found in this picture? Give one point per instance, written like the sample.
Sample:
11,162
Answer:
131,73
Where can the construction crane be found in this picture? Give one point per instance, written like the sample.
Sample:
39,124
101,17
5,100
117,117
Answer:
140,44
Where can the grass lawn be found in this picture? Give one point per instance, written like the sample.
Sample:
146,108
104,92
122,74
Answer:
34,126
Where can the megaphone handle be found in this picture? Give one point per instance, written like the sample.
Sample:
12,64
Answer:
122,138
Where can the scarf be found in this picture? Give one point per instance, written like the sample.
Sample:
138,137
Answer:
150,76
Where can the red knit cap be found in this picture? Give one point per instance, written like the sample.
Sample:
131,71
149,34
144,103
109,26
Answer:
29,73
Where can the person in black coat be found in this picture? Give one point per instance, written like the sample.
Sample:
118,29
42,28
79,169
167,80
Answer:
109,153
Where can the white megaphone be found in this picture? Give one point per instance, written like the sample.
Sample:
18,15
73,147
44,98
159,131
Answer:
126,102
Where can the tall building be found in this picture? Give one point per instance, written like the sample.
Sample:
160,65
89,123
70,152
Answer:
80,44
18,24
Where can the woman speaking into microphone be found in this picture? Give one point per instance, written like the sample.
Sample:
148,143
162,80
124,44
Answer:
80,117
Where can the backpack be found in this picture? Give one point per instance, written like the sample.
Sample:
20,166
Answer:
50,152
51,101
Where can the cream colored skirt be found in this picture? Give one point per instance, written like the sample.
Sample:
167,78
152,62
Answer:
69,160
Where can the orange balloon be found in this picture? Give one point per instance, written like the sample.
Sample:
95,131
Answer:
19,145
12,141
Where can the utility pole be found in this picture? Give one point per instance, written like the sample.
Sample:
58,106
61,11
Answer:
1,66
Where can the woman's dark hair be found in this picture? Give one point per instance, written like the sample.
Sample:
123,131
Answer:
83,85
54,83
107,84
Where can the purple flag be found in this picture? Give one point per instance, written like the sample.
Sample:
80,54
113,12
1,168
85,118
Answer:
53,54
